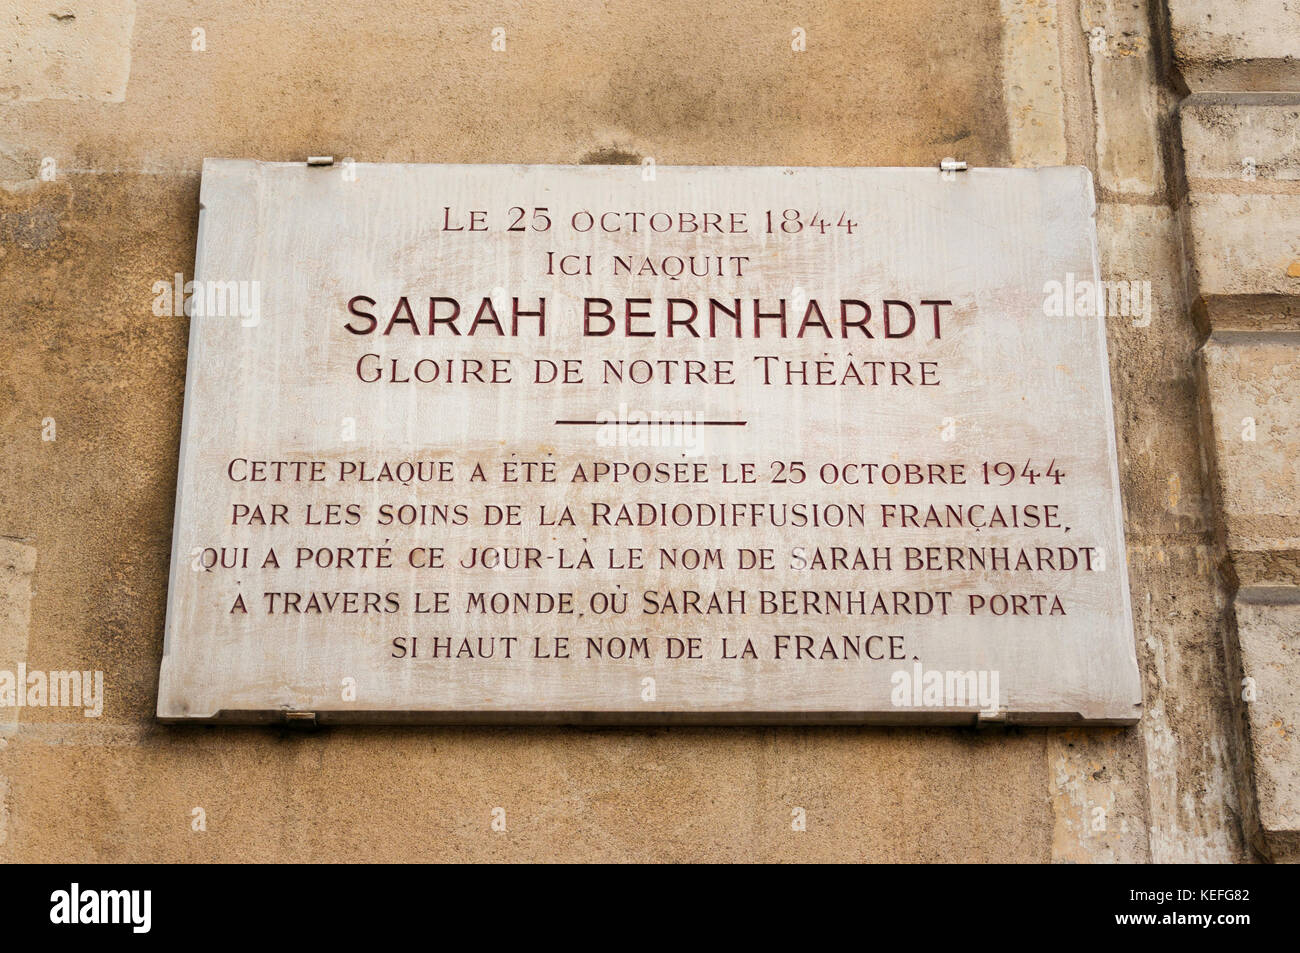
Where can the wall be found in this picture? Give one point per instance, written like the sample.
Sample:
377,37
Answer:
1240,131
114,94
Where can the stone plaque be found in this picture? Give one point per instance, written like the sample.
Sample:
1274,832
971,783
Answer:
627,444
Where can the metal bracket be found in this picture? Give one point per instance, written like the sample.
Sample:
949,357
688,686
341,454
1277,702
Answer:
300,719
952,165
323,160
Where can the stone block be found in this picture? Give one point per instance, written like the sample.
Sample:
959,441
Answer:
1240,45
1268,625
1242,159
1253,385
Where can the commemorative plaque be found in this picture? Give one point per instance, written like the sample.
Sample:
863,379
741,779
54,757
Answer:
646,445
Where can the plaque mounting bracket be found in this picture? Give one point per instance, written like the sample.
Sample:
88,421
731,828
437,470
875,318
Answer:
300,719
950,164
320,160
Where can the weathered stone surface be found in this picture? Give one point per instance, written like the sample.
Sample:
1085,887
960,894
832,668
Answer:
1154,357
1191,787
1268,627
1242,160
688,87
1253,384
1187,719
1246,256
1031,69
17,563
669,794
1246,141
1240,45
1242,163
67,51
1093,778
1126,101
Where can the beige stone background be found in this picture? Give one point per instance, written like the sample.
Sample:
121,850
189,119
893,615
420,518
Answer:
1164,101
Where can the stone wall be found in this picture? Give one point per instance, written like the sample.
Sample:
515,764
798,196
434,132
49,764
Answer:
107,110
1240,131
